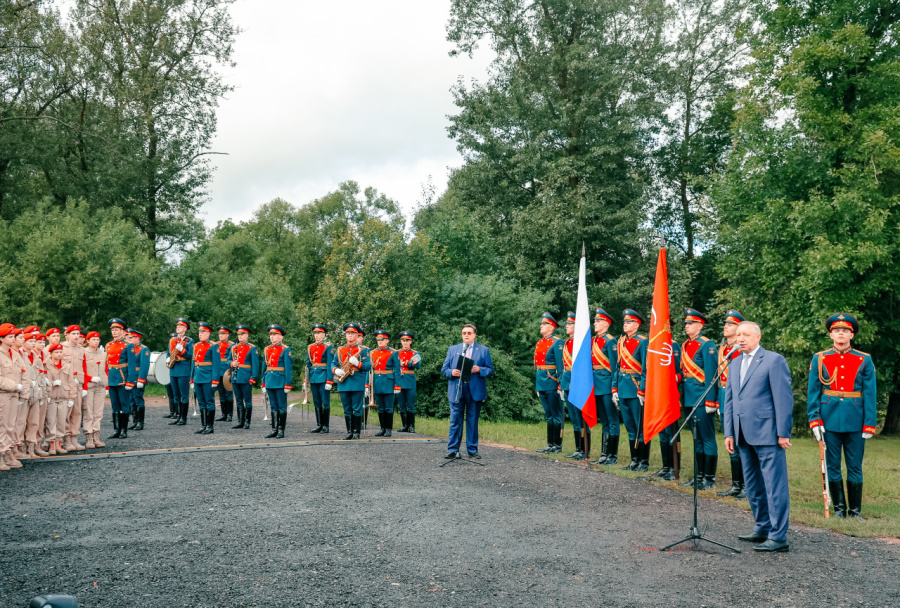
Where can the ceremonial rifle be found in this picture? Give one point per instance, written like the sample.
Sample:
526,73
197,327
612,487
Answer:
826,494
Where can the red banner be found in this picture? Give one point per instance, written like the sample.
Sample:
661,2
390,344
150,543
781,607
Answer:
661,407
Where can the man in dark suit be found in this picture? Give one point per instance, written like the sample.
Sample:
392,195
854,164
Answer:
758,417
466,400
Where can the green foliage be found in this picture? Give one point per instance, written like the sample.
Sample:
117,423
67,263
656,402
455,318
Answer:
808,202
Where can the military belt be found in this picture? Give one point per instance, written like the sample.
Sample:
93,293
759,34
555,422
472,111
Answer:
244,367
850,394
123,365
320,365
546,367
600,367
274,369
408,371
203,363
567,368
631,371
381,373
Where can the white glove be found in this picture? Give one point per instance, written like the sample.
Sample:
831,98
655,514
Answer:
396,391
179,347
140,385
19,388
168,359
641,399
819,433
328,387
354,361
867,435
287,390
711,410
21,403
615,399
83,393
128,388
338,372
57,383
33,383
95,379
70,403
107,392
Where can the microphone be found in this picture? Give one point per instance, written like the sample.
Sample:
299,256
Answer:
731,352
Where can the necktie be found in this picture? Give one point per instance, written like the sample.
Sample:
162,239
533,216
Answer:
745,365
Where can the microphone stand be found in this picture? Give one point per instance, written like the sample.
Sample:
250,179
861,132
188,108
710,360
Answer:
695,534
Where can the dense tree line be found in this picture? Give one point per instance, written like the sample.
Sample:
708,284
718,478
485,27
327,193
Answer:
756,139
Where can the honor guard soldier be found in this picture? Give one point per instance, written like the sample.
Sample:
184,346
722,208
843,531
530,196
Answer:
74,360
170,395
581,431
205,374
667,436
548,363
350,366
385,381
277,378
729,345
841,407
96,397
628,387
245,363
320,377
181,352
410,362
699,365
605,362
119,383
139,361
226,398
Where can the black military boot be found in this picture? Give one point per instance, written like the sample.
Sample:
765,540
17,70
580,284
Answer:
665,452
202,428
556,439
140,424
709,472
735,488
836,489
275,420
382,424
223,405
577,449
177,417
643,456
356,421
549,446
172,409
670,459
405,427
612,450
411,420
230,407
604,444
134,419
123,426
349,424
282,422
240,423
318,428
210,424
854,499
634,457
388,424
698,473
326,419
248,414
115,419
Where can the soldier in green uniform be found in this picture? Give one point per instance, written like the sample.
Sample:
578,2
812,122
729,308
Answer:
628,387
548,362
728,348
699,364
841,407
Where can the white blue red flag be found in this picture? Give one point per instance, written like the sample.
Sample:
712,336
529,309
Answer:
581,388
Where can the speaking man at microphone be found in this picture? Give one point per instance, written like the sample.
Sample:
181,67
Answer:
758,417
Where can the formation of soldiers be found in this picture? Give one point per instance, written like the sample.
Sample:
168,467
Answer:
841,398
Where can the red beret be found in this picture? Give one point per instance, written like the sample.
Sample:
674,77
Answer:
93,334
54,347
72,328
52,331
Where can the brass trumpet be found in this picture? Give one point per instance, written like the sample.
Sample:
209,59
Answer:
348,370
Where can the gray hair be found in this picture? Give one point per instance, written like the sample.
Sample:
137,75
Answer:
751,325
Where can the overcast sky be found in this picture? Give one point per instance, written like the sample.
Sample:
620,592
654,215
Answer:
333,91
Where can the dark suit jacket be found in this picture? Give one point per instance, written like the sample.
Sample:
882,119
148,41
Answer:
763,408
481,356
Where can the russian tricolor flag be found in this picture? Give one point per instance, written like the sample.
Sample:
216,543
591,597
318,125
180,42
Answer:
581,388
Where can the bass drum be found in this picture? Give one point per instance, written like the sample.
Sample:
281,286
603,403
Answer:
159,373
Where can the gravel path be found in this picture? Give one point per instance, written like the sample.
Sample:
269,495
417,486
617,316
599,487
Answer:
382,524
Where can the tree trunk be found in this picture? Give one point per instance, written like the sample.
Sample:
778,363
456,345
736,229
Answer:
892,418
152,186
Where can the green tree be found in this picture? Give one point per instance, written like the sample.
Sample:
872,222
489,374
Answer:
807,205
